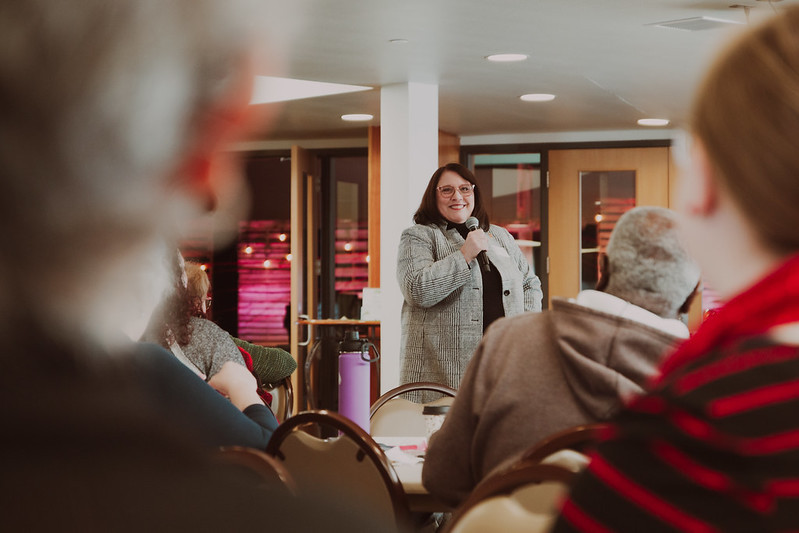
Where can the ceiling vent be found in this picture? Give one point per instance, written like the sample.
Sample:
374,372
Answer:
695,23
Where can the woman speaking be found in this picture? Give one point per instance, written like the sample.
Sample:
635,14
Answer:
456,281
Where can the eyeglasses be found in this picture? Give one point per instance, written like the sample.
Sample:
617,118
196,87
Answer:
208,303
448,190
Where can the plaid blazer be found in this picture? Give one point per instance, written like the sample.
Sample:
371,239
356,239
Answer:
442,315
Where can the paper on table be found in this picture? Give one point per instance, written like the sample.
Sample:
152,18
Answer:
396,455
406,443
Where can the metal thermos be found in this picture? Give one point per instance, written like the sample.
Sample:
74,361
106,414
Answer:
354,380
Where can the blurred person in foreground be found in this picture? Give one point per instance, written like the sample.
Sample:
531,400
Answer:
114,115
715,445
538,373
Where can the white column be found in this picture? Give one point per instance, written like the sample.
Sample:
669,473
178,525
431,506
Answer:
408,157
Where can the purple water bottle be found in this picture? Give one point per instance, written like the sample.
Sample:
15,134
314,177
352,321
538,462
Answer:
354,380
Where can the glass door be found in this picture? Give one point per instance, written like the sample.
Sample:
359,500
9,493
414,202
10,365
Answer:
342,266
604,197
344,235
264,254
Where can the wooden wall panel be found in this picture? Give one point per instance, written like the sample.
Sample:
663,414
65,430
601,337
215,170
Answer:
302,297
449,147
373,186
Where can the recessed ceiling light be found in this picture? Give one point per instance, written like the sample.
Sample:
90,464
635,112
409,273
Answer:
653,122
506,58
357,117
537,97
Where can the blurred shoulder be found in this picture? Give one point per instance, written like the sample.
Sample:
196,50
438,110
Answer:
148,357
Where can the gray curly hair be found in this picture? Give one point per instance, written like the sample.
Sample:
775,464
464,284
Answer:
647,263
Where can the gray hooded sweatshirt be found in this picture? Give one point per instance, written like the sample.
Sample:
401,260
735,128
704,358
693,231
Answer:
534,375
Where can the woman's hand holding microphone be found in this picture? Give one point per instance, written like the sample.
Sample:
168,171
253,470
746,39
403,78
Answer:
476,242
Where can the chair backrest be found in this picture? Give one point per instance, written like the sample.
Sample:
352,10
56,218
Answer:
578,438
351,465
391,416
523,498
502,513
260,463
282,399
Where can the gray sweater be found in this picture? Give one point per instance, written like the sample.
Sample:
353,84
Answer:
210,347
533,375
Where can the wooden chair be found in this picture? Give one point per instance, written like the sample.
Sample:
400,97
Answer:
262,464
578,438
522,498
282,398
350,465
391,416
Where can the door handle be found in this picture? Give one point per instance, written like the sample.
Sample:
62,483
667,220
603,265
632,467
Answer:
307,340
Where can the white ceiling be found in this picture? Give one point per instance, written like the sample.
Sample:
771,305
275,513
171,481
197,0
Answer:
605,61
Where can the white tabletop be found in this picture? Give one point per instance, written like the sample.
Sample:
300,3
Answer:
406,461
411,478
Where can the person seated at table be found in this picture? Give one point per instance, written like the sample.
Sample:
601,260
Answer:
269,364
536,374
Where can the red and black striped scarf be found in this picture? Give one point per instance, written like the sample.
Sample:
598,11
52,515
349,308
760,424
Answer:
770,302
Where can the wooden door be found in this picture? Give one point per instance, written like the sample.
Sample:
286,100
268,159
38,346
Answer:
652,186
303,286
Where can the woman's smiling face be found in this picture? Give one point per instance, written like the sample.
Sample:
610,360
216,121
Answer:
456,208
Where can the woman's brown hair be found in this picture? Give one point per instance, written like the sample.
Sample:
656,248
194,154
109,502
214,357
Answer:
170,320
746,115
197,287
428,212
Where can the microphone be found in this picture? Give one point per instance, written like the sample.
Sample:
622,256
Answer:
472,224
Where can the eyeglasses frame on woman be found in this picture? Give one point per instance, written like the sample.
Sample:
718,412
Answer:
465,190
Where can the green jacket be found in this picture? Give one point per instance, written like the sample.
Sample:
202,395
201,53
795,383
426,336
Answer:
270,364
